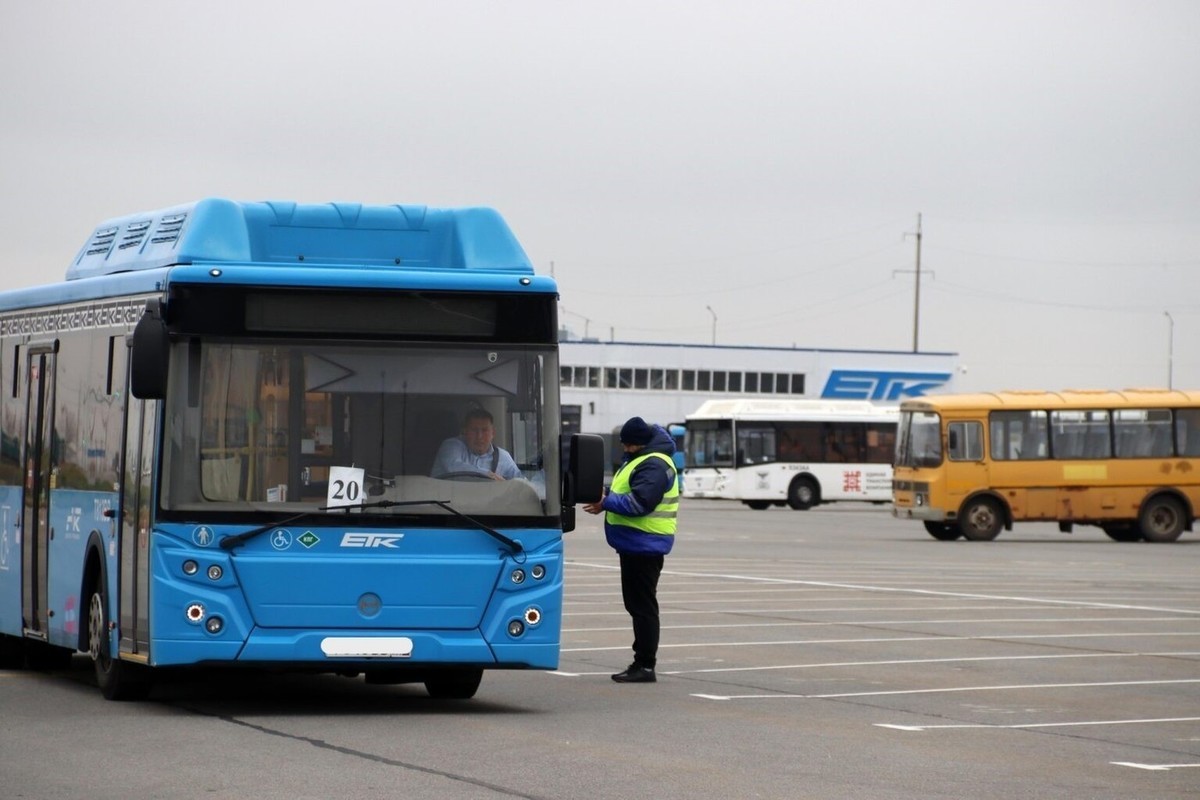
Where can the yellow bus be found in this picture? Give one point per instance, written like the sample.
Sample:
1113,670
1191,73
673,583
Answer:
1128,462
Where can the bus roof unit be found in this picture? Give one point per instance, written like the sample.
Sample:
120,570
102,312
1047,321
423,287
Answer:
218,231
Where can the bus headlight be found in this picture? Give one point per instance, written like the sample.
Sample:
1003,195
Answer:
215,572
518,576
194,612
919,499
515,628
538,572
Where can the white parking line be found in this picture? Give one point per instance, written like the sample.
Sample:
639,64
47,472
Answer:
1007,638
621,612
852,623
896,590
895,662
943,690
1157,767
1038,724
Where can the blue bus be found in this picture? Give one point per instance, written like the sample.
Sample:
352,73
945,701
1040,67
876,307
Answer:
218,436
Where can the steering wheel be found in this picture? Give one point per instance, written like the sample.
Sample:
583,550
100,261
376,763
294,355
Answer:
464,475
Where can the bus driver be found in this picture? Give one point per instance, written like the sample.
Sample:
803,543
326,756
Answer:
474,452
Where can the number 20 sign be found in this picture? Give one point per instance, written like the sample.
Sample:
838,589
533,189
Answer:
345,486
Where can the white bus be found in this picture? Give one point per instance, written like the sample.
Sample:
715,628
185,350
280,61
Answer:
796,452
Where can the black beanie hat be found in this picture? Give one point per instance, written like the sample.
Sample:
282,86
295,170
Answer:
636,431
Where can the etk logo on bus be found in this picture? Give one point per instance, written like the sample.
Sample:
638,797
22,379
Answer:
849,384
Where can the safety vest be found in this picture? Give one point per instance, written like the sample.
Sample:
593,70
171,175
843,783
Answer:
663,518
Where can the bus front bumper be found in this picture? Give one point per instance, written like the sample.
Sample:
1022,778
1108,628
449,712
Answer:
923,513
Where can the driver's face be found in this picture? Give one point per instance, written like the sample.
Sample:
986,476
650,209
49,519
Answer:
478,434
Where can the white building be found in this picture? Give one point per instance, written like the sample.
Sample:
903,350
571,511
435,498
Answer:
605,383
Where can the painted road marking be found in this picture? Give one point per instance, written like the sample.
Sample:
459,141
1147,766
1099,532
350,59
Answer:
1158,767
896,662
851,623
897,590
946,690
1008,638
1038,724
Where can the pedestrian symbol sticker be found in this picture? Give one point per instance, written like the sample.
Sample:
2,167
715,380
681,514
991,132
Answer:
203,536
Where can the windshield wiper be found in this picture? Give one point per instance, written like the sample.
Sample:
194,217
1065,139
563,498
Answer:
513,544
230,542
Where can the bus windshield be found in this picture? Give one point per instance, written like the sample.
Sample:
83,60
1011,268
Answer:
919,441
278,425
709,443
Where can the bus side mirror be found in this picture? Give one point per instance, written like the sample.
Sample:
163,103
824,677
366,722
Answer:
583,479
149,356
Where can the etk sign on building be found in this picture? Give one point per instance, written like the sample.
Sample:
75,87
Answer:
605,383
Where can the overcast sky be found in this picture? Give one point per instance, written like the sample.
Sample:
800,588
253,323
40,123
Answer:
753,167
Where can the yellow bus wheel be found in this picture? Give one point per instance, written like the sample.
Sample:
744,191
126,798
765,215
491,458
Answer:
981,519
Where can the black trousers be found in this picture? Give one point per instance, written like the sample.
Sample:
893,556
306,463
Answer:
639,590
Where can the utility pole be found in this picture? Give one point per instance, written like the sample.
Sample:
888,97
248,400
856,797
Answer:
1170,350
714,325
917,293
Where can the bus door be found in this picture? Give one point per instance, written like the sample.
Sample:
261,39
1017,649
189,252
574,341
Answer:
136,486
969,470
40,362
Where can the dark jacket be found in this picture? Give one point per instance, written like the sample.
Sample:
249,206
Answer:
649,482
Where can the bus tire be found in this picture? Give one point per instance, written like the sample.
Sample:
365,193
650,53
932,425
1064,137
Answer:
117,679
980,519
1122,531
1161,519
758,505
943,531
454,684
803,494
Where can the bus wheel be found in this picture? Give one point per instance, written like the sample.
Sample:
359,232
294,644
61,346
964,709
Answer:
1122,532
943,531
803,494
454,684
980,520
118,680
1161,520
758,505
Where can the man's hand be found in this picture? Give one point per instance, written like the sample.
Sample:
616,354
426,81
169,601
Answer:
593,508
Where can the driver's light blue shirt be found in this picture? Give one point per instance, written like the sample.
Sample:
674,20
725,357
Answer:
455,456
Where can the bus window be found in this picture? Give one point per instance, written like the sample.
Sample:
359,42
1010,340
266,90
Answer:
756,443
1019,435
709,443
1080,434
1187,431
965,441
881,443
919,439
1142,432
844,442
800,442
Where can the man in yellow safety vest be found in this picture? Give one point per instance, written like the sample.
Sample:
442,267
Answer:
641,509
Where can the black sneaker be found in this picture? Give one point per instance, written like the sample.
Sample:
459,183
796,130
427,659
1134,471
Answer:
635,674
